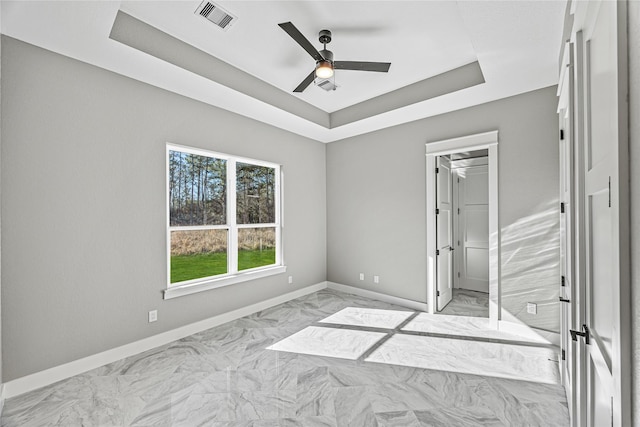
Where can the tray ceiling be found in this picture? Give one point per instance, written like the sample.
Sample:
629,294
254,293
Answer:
445,55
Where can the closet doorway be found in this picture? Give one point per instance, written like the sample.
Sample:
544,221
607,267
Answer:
462,226
470,270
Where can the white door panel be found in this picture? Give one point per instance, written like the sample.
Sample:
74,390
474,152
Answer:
600,413
473,227
444,254
601,249
477,262
605,394
476,224
444,228
477,186
600,317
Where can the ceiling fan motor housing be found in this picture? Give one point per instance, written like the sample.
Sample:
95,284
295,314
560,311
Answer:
324,36
327,55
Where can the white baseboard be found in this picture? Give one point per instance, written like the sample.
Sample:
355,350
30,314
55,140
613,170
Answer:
2,388
533,334
415,305
49,376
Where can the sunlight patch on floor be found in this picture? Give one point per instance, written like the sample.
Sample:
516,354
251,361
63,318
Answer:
493,359
370,317
330,342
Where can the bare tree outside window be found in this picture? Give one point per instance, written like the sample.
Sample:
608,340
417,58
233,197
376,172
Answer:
197,189
255,200
255,194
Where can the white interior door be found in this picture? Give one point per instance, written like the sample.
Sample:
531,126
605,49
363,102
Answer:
472,239
444,250
568,297
605,334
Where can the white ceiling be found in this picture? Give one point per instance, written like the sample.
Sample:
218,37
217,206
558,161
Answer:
420,39
515,42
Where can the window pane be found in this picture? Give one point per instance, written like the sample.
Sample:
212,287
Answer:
197,189
198,253
256,247
255,194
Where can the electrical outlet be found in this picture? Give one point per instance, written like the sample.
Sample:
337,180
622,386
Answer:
290,279
376,279
153,316
361,276
532,308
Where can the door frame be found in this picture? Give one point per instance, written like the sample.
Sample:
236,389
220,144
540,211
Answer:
570,315
486,140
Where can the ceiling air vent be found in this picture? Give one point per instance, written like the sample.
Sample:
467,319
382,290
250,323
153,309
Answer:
326,84
216,14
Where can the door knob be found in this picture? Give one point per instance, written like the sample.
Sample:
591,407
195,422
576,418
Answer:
584,333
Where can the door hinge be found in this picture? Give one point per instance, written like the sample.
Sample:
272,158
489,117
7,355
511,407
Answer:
458,211
458,274
437,293
562,207
437,211
585,333
458,180
437,170
561,134
564,299
609,191
437,252
562,282
564,357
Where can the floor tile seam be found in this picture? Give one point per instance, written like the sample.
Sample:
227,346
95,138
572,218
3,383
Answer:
479,339
364,356
406,321
352,327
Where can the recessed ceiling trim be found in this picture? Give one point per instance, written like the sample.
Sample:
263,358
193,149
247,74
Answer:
148,39
448,82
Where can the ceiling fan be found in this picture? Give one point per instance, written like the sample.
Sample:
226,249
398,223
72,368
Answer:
325,65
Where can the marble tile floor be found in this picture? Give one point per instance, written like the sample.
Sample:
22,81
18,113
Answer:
227,376
468,303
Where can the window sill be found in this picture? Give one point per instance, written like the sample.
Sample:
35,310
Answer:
192,288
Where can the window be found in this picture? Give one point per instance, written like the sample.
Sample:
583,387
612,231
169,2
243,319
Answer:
223,219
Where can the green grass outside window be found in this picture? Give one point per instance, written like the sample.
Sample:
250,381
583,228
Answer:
189,267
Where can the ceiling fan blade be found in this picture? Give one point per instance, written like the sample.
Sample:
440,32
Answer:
291,29
306,82
381,67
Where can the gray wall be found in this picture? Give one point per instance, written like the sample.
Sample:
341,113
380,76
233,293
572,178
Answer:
634,143
376,203
83,207
1,381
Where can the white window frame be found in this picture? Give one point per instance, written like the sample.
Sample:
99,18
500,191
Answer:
233,275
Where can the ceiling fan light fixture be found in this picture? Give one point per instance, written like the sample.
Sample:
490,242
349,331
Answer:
323,74
324,69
